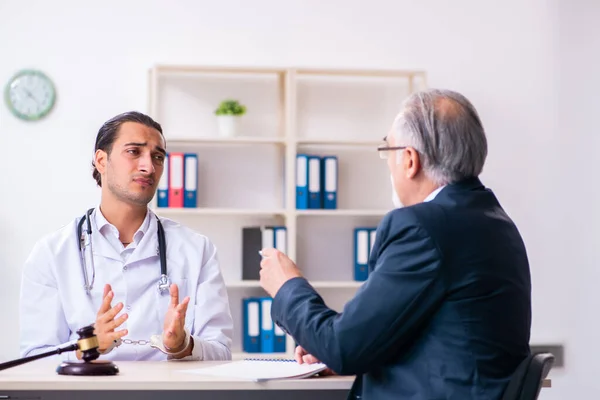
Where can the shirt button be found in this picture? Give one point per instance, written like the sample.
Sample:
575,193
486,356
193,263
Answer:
125,268
128,308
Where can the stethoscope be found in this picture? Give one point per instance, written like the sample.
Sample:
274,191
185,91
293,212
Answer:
85,240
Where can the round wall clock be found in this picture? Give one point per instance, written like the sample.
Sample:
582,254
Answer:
30,95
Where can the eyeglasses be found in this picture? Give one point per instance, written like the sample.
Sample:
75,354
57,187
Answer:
384,148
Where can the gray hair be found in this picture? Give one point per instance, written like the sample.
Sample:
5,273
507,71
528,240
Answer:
444,127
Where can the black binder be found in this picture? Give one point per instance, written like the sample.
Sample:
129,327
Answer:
251,245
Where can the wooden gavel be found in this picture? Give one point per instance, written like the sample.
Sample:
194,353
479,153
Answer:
88,345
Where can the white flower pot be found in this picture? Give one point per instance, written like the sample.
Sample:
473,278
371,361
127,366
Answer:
228,125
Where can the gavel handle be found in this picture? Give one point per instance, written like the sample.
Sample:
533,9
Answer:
19,361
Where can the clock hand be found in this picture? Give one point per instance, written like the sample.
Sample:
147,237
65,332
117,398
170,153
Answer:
31,96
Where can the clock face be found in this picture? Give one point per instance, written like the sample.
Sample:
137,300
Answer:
30,95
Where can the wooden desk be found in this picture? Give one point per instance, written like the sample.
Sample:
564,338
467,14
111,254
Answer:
158,380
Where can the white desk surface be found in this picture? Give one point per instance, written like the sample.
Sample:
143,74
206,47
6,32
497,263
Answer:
150,375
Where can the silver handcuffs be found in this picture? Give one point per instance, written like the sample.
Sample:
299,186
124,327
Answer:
155,342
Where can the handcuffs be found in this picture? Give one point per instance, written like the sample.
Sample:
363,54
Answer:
155,342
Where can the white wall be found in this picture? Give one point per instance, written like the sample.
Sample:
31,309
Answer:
579,144
502,55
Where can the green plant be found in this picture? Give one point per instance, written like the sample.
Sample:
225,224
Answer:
230,107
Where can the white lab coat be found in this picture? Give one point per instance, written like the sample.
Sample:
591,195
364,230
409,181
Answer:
54,304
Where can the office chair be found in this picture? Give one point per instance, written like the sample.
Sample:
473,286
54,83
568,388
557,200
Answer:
527,380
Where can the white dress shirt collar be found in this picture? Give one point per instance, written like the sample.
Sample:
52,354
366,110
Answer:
434,193
110,232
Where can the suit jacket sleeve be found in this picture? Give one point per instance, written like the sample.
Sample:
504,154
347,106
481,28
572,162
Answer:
389,309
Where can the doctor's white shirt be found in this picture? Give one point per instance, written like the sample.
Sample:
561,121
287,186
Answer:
54,303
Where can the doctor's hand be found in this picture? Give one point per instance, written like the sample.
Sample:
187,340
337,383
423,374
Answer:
173,330
106,323
302,357
276,269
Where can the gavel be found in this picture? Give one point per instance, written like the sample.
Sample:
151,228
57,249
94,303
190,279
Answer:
89,365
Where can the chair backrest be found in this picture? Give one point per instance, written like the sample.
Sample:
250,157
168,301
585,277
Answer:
528,378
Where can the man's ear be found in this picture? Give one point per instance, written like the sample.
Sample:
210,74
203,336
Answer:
412,162
100,159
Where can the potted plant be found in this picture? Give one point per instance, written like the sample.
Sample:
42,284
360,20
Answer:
228,115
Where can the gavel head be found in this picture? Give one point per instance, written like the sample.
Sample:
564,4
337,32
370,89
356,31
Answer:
88,343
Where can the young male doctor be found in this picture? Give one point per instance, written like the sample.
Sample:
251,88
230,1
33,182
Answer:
188,319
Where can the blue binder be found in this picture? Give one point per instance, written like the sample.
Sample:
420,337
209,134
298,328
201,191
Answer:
330,182
162,191
190,186
315,200
251,314
267,343
301,181
372,237
279,346
361,254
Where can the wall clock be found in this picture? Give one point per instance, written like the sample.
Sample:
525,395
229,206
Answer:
30,95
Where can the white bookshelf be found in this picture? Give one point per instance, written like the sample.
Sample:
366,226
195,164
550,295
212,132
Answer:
343,213
249,180
315,284
173,212
227,141
254,211
338,143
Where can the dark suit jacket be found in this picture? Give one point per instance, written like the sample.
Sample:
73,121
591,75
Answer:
445,312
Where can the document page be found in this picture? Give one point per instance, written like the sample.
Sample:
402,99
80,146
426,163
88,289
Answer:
261,370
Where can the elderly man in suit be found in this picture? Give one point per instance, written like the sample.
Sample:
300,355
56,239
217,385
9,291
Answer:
446,310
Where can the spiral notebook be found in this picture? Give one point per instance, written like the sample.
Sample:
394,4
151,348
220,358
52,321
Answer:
260,370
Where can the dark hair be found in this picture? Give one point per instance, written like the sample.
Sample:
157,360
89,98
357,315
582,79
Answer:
108,133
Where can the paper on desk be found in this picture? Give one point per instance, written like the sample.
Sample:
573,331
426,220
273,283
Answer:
260,370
